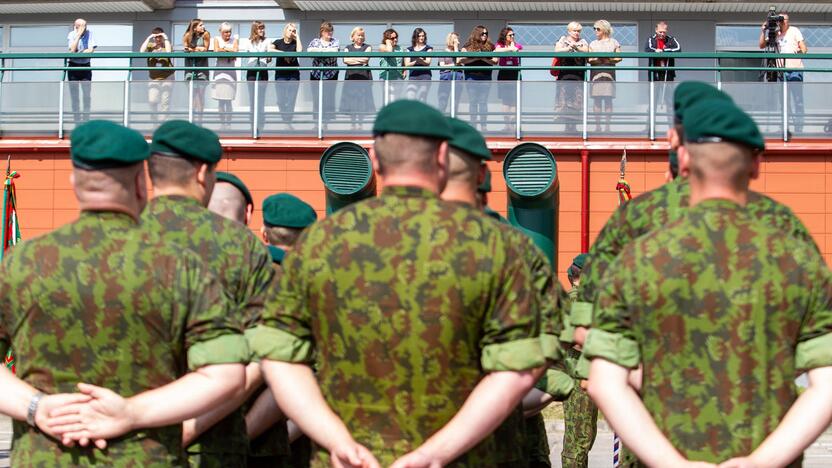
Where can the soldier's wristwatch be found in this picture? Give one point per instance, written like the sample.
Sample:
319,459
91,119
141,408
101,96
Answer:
33,408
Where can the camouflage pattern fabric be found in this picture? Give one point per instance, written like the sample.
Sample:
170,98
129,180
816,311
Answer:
654,209
580,416
94,302
537,442
723,311
243,265
510,439
404,302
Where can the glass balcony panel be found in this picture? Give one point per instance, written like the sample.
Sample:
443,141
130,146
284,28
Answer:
809,108
152,103
29,108
618,110
92,100
763,102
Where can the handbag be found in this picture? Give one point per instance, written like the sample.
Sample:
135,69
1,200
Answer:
554,71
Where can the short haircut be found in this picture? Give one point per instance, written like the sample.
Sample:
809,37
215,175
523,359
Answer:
724,163
172,170
397,152
573,25
281,235
462,167
225,26
356,30
157,30
573,273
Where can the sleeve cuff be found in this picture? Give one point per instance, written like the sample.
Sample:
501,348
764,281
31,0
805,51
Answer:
516,355
556,383
581,369
551,347
613,347
580,315
225,349
814,353
278,345
567,335
249,334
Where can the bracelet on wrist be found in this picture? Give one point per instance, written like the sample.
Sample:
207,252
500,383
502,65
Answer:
33,408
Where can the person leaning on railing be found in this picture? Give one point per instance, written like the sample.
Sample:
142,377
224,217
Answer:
325,42
448,74
225,81
357,98
603,86
197,39
395,70
478,92
570,96
508,95
287,90
161,82
80,40
257,43
419,43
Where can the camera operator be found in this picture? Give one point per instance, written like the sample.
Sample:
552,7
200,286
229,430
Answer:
789,41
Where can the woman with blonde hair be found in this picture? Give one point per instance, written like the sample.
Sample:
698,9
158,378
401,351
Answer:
257,43
225,81
357,97
603,87
570,96
197,39
447,73
325,42
287,90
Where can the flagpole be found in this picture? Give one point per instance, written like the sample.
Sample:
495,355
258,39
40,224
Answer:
6,194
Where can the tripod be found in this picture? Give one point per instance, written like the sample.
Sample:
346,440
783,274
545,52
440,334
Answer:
771,47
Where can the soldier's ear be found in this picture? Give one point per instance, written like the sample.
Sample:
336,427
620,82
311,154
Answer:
374,160
249,213
263,234
684,161
756,159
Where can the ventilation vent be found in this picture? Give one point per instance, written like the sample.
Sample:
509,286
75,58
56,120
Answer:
346,168
529,169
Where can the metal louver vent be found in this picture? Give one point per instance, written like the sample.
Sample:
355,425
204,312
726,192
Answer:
529,169
346,168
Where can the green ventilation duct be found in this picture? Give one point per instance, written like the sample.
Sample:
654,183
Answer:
531,175
347,174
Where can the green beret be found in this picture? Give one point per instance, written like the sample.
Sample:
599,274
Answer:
100,144
235,181
485,186
717,120
579,260
412,118
690,92
287,210
467,139
277,254
184,139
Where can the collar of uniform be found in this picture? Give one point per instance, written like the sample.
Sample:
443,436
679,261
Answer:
277,254
113,218
408,191
716,204
175,199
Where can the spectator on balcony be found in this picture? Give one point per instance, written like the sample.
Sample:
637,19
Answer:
197,39
508,94
451,45
225,81
419,43
257,43
478,92
790,41
662,42
161,77
80,40
287,90
570,95
603,87
395,70
325,42
357,97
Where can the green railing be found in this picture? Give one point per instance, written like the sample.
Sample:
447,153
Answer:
533,108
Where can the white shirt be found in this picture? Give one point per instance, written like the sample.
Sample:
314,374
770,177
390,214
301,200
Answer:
788,44
262,46
85,43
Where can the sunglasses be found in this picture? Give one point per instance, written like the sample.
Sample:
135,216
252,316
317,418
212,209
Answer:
597,29
509,35
485,33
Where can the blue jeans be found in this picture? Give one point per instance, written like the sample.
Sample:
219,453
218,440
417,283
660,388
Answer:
796,109
287,95
478,97
444,93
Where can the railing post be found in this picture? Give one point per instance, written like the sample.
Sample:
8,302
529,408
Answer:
61,105
719,79
785,108
453,94
584,133
126,116
255,130
517,110
191,100
652,112
321,107
386,98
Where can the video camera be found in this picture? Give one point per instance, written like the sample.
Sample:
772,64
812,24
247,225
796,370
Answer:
772,24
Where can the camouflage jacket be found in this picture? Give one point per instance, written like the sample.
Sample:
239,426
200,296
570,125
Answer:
723,311
652,210
405,302
94,302
242,264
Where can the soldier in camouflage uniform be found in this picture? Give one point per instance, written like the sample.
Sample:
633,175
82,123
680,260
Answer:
96,302
231,198
285,216
410,307
182,165
580,415
521,442
722,310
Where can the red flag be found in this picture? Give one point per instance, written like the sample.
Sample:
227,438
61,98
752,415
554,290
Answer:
10,230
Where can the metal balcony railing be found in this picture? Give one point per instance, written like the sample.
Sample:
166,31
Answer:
319,108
